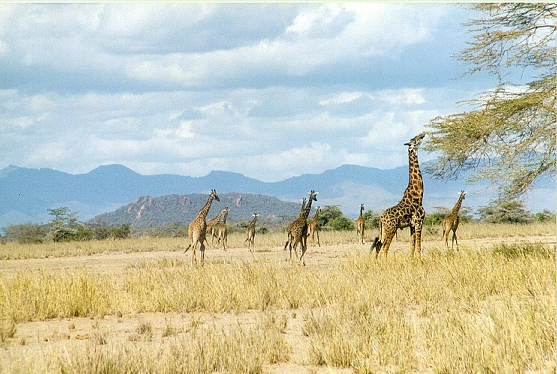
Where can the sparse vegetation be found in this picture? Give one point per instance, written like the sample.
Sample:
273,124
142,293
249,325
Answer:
483,309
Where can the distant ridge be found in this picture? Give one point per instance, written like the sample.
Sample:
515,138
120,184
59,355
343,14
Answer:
26,193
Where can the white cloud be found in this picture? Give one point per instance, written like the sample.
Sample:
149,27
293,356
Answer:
184,131
190,88
343,97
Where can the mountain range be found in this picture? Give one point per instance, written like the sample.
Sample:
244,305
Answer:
27,194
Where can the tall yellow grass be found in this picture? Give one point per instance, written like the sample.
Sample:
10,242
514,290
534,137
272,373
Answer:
489,309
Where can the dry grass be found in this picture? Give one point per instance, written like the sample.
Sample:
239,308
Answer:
483,309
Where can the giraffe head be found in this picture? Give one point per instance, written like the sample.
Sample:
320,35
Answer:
415,142
313,195
362,206
214,195
255,215
463,194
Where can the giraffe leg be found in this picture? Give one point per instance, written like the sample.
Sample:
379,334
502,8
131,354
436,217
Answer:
202,250
385,245
419,242
303,250
293,247
318,242
193,256
416,240
446,238
455,239
413,235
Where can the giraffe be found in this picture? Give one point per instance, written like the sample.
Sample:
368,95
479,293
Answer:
211,226
361,224
408,211
297,231
450,222
222,232
198,228
313,227
250,232
304,201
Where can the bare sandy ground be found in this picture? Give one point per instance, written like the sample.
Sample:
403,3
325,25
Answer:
43,339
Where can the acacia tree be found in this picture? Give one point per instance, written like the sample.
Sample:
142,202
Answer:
511,211
509,138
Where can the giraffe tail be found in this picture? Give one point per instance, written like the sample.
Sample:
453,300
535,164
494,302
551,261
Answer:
187,249
286,245
376,244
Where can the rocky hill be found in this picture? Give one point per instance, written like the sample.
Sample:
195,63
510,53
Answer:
146,211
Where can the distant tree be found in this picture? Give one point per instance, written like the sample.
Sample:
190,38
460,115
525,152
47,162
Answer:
509,136
505,211
328,214
63,227
262,230
342,224
122,232
371,219
101,232
28,233
84,233
437,216
545,216
332,216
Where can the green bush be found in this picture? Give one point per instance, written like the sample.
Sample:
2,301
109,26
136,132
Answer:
342,223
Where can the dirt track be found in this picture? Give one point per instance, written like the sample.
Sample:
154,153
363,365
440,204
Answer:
114,263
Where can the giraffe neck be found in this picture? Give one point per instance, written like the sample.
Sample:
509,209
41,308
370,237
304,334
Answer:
252,223
457,206
217,218
415,189
224,216
361,211
316,215
203,211
306,211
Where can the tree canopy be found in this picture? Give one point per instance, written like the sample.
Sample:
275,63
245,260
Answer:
509,136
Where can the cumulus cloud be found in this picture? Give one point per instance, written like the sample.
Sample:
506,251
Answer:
267,90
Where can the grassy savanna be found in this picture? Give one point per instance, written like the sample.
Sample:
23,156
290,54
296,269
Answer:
489,307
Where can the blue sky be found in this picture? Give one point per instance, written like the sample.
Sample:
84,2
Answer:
270,91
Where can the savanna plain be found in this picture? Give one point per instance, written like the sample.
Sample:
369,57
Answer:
137,306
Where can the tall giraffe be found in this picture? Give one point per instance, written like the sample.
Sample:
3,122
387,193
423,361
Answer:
408,211
313,227
297,231
450,222
222,231
361,224
198,228
250,232
211,226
